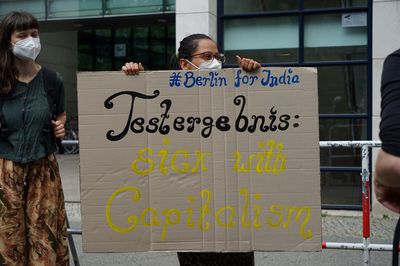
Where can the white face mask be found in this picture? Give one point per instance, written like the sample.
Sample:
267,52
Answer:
209,64
27,49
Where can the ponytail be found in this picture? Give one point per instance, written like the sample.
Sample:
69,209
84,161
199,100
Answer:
173,63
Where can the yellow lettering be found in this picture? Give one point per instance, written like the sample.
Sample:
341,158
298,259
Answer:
309,233
242,168
169,221
260,161
275,209
150,162
163,154
132,219
257,211
245,192
269,153
200,161
250,214
231,222
264,159
144,164
291,209
260,157
205,209
153,221
189,211
185,166
279,158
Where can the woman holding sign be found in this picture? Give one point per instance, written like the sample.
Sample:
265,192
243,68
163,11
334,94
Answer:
199,51
33,225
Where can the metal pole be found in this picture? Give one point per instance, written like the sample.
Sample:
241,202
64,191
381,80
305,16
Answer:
71,243
350,143
70,142
365,203
356,246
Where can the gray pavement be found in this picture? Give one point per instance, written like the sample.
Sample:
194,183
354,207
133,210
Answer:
336,227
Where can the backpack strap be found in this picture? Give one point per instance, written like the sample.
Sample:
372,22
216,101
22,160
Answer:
4,132
49,83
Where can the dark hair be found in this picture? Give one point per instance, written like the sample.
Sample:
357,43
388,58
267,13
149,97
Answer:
187,46
13,21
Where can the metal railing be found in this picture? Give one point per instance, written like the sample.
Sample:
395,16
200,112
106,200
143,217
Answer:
365,246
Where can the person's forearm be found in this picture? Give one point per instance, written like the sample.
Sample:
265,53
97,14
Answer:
387,169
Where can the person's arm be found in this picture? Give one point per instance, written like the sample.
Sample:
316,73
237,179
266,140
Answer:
248,64
132,68
59,125
387,180
387,167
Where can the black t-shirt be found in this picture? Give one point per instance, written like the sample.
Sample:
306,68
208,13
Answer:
390,105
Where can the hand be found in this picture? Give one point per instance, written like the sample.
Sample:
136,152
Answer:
58,129
247,64
387,196
131,68
387,180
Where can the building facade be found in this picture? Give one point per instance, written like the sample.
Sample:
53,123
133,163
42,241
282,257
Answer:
346,40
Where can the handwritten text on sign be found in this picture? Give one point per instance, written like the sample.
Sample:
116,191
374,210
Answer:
219,160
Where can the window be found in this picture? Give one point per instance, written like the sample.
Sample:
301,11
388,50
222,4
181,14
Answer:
57,9
74,8
109,49
331,35
271,39
114,7
232,7
346,186
35,7
348,94
334,3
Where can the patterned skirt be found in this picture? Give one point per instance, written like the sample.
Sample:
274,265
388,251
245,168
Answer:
33,225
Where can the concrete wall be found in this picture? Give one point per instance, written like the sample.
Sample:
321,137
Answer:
194,16
60,52
386,39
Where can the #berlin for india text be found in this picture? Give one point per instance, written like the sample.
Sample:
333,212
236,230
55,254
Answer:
213,79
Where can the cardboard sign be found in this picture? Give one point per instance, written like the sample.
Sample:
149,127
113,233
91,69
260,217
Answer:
219,160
